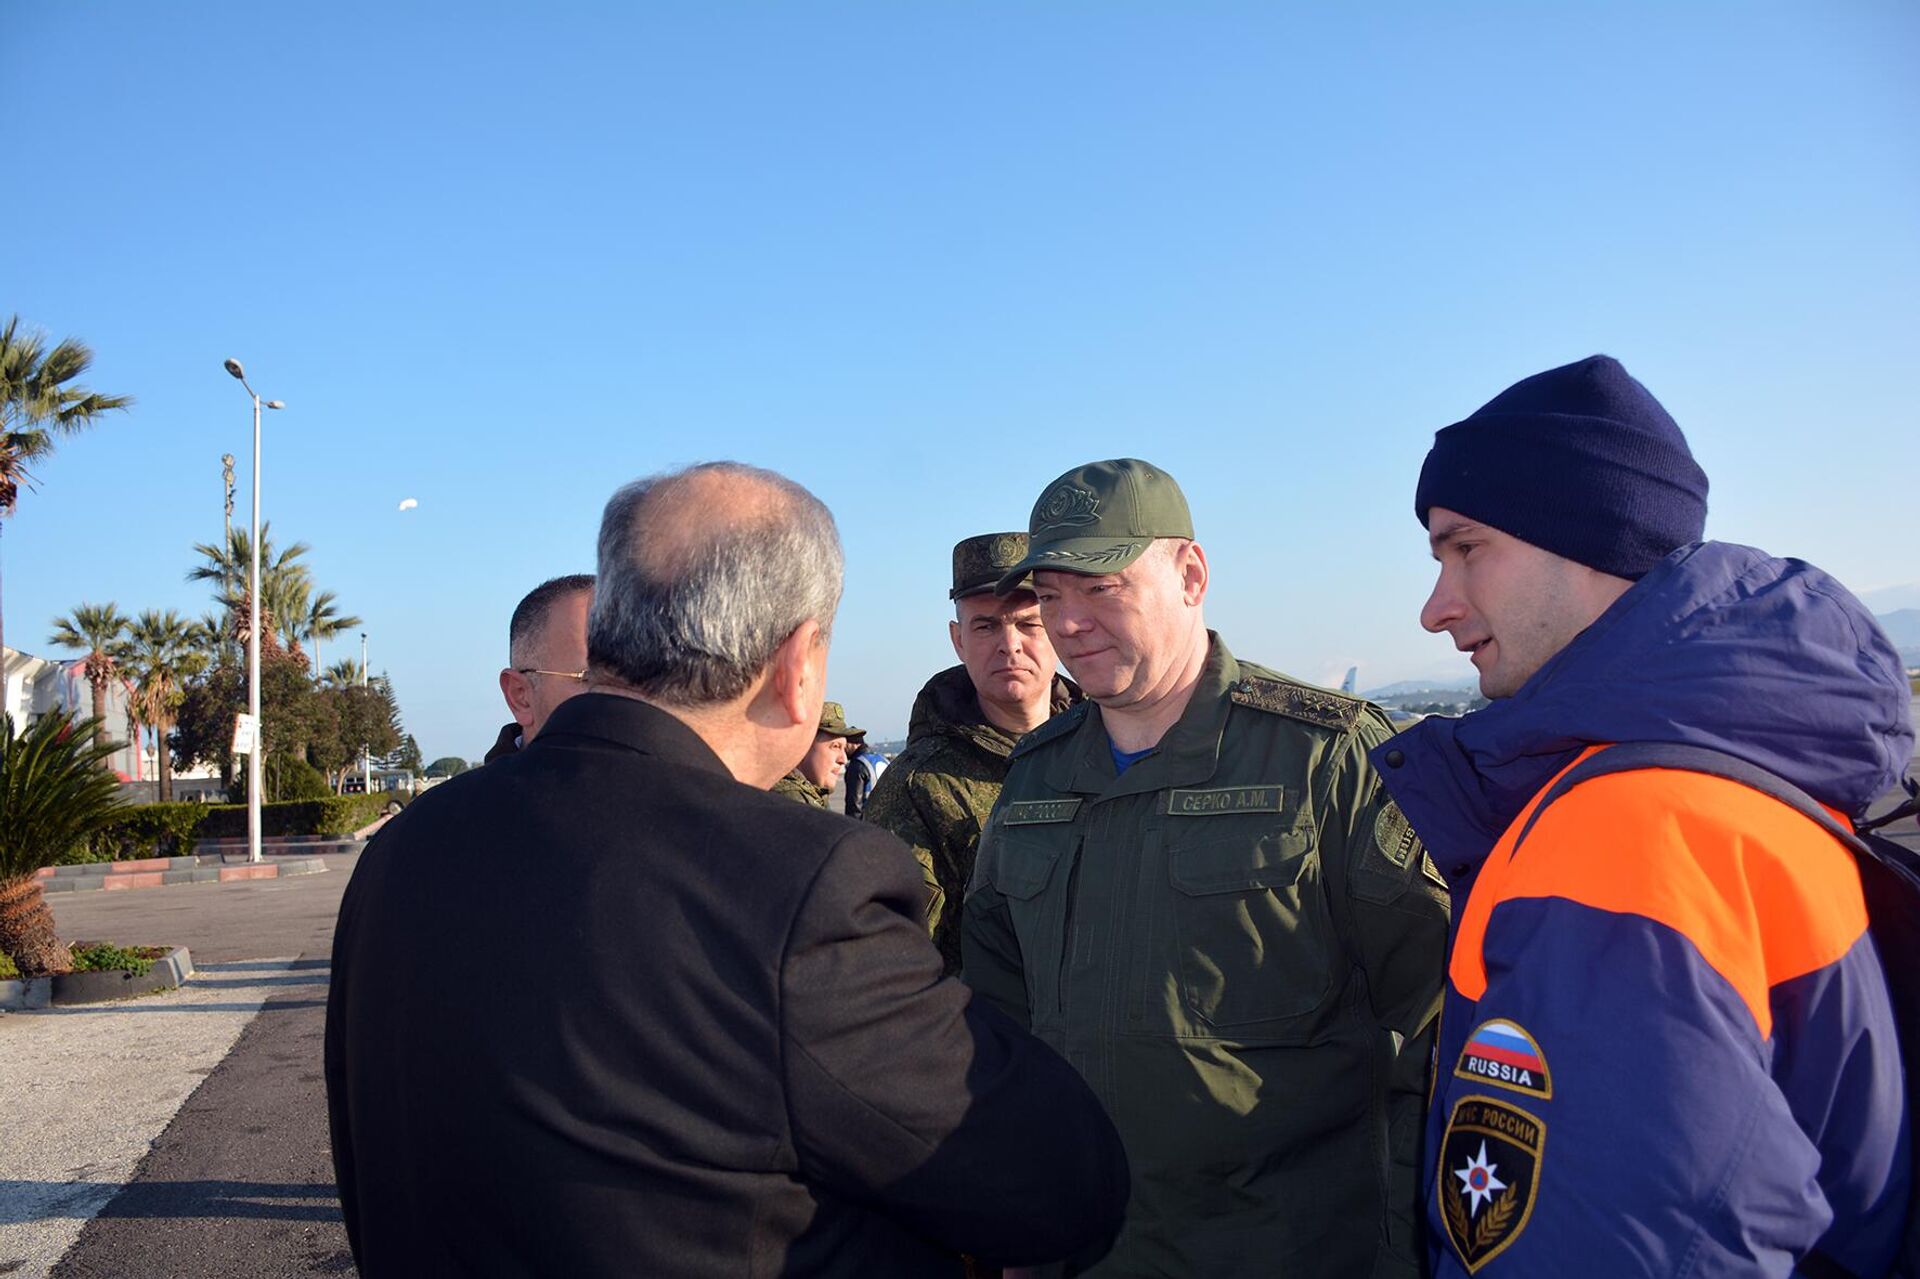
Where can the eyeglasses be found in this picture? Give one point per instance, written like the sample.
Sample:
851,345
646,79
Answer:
530,670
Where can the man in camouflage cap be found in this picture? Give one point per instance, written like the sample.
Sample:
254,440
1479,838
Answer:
814,777
1195,888
936,795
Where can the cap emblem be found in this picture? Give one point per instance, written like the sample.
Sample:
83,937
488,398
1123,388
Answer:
1067,504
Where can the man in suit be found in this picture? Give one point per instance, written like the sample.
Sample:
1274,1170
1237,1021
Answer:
608,1007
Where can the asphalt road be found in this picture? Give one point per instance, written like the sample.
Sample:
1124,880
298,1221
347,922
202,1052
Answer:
240,1183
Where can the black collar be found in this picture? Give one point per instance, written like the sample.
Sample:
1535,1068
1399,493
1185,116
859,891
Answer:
630,723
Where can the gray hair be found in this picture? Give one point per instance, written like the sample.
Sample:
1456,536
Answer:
704,573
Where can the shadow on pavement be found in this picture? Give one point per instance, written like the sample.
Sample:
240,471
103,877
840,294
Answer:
25,1201
95,1010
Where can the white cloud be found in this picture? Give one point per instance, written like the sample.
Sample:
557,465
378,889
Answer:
408,504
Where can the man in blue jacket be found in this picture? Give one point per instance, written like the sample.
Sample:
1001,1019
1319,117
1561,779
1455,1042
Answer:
1667,1047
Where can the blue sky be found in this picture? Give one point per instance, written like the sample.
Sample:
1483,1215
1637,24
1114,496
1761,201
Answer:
502,257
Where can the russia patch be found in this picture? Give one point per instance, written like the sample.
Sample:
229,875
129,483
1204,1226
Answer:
1502,1054
1489,1175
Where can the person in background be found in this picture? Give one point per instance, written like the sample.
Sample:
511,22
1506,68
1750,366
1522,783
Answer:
937,794
547,657
812,780
864,767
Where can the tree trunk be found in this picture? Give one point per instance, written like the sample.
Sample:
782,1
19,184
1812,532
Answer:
163,755
99,710
26,929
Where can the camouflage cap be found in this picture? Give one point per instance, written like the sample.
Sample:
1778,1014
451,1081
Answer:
1099,518
979,562
833,721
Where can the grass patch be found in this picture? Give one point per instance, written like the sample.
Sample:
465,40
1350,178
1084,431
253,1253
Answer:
105,957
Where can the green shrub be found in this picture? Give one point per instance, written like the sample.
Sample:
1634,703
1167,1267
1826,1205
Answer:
104,957
7,971
149,830
332,816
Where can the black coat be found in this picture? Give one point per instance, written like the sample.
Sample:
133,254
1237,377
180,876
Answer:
599,1009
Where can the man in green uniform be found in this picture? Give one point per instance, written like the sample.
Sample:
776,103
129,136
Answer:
1195,888
936,794
813,778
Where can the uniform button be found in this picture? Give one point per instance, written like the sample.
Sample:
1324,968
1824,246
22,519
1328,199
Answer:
1460,871
1395,759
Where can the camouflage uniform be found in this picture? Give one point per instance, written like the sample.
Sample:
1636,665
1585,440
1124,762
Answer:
795,786
936,794
833,723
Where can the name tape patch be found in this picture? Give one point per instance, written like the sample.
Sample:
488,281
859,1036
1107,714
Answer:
1033,812
1226,799
1489,1174
1503,1054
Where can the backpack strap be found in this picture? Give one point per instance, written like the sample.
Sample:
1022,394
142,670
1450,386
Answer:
1631,757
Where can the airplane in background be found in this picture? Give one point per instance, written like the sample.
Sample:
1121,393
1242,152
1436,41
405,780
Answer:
1353,673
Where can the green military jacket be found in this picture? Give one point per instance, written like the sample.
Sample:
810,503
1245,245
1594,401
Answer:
795,786
936,794
1239,943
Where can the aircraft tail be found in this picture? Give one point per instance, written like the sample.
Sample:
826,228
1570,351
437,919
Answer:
1346,685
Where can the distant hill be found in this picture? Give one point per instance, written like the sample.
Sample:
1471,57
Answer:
1407,686
1903,628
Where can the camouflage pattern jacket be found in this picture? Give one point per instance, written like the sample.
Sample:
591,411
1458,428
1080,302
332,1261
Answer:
795,786
936,794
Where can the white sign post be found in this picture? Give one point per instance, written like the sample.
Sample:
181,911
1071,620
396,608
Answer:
245,734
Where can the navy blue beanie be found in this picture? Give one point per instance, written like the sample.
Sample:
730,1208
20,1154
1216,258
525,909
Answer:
1581,461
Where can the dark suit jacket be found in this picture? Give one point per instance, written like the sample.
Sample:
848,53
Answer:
599,1009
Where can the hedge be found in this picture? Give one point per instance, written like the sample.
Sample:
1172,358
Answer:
170,830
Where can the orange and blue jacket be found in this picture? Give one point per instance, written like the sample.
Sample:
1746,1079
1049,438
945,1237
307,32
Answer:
1666,1046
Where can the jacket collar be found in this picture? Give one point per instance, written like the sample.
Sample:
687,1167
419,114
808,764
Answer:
629,724
1190,751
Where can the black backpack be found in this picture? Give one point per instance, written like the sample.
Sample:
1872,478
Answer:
1890,876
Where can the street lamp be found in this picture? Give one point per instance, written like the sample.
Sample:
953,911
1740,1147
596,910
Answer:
253,629
366,749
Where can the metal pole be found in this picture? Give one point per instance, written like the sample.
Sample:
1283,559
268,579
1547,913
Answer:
366,748
253,658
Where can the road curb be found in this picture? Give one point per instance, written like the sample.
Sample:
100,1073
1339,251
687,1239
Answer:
166,872
170,970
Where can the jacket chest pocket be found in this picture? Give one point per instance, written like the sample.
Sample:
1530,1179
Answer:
1028,865
1251,931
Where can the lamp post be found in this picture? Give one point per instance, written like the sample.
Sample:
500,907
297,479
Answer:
366,749
253,629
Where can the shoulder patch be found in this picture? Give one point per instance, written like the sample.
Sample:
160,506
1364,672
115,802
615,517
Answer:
1316,706
1060,725
1489,1176
1502,1053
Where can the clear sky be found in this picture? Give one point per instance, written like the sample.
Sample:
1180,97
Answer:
501,257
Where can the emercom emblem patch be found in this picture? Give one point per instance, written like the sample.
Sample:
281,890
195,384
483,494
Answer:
1503,1054
1489,1174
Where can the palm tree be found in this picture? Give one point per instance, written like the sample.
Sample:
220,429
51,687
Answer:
37,403
320,620
160,656
94,629
54,792
230,569
344,673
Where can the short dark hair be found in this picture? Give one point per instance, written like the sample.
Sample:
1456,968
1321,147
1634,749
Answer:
531,615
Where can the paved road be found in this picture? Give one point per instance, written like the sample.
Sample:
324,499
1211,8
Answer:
239,1181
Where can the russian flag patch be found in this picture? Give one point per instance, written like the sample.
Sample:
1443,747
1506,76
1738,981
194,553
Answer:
1501,1053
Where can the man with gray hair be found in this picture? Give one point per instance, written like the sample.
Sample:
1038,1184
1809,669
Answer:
738,1056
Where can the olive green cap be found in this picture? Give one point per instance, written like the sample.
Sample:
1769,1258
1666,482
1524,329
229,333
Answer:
1099,518
979,563
833,721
